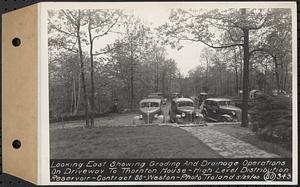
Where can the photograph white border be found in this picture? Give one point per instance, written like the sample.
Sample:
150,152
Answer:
43,94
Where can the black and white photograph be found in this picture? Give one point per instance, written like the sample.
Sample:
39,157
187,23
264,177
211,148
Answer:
171,81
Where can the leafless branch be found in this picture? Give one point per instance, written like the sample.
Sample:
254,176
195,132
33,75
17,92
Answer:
69,17
62,31
100,24
211,45
261,25
105,52
106,32
70,49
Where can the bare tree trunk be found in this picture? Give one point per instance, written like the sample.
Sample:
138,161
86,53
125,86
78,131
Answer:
245,78
78,97
266,78
206,73
82,71
156,78
131,80
164,82
285,77
250,84
72,98
236,72
92,97
170,85
282,77
236,77
241,69
277,75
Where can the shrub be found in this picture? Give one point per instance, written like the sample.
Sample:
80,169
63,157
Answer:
271,118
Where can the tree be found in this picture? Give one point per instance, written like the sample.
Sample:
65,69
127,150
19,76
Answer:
276,41
233,27
272,118
68,26
100,23
64,84
169,70
206,55
131,53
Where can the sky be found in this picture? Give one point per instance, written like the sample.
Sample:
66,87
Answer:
157,13
187,58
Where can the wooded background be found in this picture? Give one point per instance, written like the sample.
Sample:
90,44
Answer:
86,81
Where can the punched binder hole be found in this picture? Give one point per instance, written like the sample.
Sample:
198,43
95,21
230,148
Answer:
16,144
16,42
